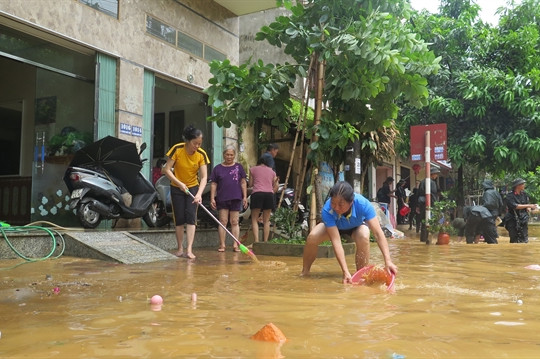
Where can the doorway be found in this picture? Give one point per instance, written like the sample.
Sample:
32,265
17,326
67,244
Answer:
10,137
47,97
175,107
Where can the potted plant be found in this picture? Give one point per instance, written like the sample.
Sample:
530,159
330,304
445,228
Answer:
289,238
440,222
286,224
67,142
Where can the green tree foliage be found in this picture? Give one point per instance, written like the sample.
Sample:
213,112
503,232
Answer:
371,58
244,94
488,88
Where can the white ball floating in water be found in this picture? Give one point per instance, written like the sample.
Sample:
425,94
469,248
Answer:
519,302
156,299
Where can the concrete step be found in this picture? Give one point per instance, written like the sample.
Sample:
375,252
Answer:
121,246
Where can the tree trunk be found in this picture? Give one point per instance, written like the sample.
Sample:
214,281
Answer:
314,209
301,175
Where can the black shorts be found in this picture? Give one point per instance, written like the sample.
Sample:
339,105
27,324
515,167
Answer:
349,232
262,200
231,205
184,210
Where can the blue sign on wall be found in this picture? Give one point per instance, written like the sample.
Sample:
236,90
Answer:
127,129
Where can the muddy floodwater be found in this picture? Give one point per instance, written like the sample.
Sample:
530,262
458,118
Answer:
451,301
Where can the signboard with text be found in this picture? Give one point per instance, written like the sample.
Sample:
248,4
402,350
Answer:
437,133
132,130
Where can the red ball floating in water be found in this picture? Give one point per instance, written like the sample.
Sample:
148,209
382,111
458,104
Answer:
156,299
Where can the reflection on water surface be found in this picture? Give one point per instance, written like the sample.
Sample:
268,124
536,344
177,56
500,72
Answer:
459,300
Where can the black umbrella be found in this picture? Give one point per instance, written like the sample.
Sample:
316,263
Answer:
118,157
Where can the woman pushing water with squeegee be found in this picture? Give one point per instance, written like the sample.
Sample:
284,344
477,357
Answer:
346,212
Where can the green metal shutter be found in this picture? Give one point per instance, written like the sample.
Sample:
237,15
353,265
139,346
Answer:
148,123
217,144
105,96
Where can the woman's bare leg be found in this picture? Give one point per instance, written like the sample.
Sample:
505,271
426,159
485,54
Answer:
255,223
179,230
235,226
317,236
190,234
361,238
223,219
266,224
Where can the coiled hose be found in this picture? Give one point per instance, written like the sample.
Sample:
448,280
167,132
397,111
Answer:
54,233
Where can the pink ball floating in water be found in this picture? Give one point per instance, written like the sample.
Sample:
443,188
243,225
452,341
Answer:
156,299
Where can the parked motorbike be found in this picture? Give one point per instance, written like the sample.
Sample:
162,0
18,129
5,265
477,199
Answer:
164,205
105,182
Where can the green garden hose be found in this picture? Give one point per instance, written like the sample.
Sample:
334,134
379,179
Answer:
6,229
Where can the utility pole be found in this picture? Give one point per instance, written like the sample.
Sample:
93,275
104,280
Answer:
353,166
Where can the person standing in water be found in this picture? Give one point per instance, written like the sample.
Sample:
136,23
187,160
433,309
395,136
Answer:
186,168
228,194
492,200
347,213
264,181
516,220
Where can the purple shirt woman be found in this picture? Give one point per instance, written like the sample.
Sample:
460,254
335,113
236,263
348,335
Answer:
228,194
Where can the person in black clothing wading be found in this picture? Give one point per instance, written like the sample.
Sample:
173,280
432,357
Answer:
401,196
517,218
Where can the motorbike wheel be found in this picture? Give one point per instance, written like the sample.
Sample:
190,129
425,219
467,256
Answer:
151,215
87,216
162,218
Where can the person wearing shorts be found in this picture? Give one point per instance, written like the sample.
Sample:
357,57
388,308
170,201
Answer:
186,168
347,212
228,194
264,182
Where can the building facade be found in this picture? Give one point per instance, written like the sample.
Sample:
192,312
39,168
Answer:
74,71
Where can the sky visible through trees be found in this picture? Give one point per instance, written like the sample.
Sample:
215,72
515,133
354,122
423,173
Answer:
489,7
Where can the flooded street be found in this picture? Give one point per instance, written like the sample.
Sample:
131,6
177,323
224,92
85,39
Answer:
457,300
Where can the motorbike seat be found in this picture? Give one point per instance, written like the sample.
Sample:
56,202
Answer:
119,183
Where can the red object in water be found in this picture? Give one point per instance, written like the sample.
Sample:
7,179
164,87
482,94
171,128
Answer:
443,238
374,275
270,333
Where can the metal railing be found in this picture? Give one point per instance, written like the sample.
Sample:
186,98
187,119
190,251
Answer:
15,194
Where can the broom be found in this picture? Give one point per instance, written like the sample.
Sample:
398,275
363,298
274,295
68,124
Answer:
242,247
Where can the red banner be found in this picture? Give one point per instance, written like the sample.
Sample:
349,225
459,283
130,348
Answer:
437,139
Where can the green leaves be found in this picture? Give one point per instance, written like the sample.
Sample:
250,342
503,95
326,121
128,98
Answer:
242,94
372,59
475,144
487,89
